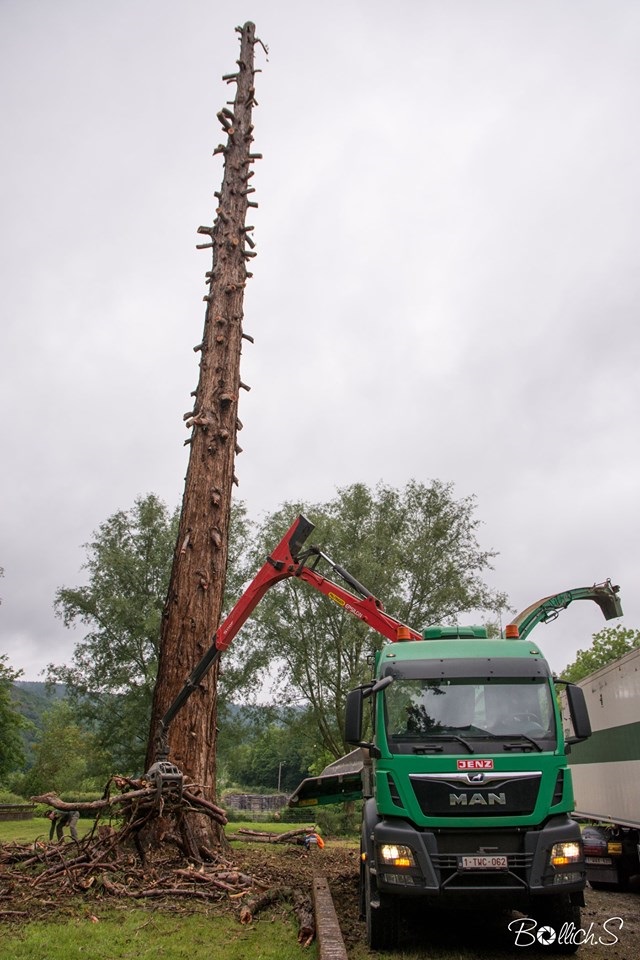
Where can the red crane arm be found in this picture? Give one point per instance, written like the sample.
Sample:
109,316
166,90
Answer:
367,608
281,564
287,560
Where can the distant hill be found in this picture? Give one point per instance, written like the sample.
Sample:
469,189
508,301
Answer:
40,689
32,700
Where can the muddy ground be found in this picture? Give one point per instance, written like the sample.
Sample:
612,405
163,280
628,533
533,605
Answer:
440,933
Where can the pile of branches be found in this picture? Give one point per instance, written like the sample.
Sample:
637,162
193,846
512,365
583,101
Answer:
149,815
150,853
44,871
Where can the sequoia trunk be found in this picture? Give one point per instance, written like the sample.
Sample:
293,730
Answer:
194,599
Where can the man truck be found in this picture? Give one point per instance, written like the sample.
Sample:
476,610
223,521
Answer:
463,767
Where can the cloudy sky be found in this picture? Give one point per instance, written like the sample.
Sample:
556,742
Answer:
447,283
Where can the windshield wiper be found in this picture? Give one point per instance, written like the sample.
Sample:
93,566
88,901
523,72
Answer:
445,736
507,736
521,736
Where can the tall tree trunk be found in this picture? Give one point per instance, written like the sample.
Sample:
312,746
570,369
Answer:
196,587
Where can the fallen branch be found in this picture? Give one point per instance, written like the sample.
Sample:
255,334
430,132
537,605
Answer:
89,806
302,906
266,836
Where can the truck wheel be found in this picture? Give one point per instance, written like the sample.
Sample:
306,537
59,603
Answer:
555,912
382,920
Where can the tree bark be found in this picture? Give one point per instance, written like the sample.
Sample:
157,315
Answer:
194,600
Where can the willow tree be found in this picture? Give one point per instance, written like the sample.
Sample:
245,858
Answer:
196,586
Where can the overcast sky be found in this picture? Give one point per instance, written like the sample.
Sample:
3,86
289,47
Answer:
447,283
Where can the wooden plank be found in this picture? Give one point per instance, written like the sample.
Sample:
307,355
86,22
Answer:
330,942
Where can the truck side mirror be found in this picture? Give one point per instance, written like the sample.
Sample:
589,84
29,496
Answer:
353,717
579,714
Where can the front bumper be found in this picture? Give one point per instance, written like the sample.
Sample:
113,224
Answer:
442,861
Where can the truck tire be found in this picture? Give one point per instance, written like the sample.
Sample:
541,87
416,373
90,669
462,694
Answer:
554,912
382,919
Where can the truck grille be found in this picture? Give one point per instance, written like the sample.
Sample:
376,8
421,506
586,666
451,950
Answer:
485,795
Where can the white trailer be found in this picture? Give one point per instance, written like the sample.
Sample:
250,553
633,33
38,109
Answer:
606,772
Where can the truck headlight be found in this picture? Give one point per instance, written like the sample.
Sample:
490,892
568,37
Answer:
564,853
396,855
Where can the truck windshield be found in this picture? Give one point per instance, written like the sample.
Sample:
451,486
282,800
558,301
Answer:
460,711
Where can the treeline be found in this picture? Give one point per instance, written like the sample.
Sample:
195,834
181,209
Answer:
256,751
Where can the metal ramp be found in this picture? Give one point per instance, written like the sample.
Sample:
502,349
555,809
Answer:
339,781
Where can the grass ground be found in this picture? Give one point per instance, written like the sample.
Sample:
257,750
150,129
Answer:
24,831
133,933
101,931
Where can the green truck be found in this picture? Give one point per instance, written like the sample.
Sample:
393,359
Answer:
461,763
467,790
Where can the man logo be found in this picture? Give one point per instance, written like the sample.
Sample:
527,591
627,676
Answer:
477,799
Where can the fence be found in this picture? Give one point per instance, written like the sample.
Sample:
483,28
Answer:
16,811
255,802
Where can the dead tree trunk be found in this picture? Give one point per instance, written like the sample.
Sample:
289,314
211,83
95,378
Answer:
194,599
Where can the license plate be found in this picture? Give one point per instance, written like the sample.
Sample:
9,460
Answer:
483,863
595,860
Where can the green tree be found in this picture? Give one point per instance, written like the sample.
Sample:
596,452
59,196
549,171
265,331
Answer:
416,549
66,755
113,671
11,722
608,644
263,748
111,679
